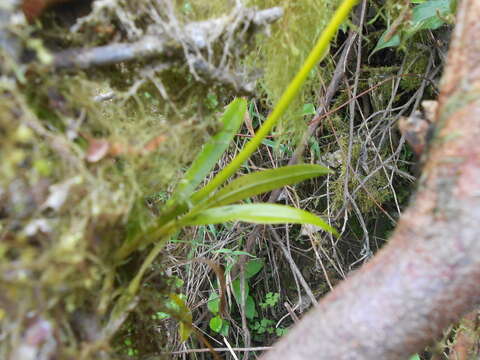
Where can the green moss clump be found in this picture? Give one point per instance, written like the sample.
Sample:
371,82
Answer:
282,53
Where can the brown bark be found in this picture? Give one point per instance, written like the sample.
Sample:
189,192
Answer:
428,275
465,346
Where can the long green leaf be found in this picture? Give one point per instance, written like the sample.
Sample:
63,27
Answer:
212,151
256,213
263,181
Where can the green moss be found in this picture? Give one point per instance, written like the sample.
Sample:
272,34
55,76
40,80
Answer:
416,63
282,53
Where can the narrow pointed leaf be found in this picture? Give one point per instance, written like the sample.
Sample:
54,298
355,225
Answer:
212,151
382,44
256,213
259,182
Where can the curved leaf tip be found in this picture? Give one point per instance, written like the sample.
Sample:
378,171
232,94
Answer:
257,213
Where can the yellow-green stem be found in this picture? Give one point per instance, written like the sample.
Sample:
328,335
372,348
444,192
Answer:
153,233
135,283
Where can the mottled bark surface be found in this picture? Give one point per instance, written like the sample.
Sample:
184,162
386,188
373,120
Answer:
428,275
466,343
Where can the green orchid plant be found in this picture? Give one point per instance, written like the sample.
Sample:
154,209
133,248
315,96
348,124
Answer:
216,203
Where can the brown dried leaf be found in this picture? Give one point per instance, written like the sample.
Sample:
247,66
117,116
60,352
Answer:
97,149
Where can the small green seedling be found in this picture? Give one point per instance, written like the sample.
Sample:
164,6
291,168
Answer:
266,326
252,267
129,348
271,299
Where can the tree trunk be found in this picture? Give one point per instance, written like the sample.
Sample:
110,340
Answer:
428,275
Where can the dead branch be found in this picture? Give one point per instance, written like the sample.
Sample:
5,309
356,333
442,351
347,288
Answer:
198,35
8,41
427,276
